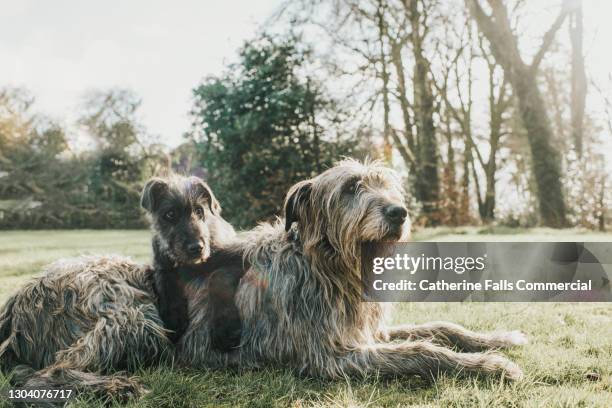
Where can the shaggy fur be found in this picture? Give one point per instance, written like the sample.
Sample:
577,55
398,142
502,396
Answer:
83,320
301,297
187,227
80,318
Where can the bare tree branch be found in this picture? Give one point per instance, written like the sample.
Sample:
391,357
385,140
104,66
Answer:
549,37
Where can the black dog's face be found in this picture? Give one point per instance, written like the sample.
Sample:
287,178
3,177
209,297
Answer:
180,208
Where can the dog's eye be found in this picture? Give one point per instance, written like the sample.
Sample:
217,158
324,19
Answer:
199,211
351,187
170,215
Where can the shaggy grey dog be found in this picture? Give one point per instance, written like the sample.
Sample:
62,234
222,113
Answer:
301,297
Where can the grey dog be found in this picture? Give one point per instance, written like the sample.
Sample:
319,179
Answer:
301,297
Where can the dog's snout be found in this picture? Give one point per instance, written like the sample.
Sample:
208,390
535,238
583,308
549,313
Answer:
195,248
396,213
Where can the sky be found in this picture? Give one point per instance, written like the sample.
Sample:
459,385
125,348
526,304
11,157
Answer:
161,50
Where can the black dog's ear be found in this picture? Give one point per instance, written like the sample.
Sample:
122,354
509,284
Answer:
151,193
203,189
296,197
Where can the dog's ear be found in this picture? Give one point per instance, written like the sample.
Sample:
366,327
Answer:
296,197
203,189
151,193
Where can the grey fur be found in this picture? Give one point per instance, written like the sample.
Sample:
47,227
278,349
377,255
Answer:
81,318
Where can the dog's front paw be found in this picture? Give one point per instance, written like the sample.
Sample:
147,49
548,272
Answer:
123,389
508,369
512,338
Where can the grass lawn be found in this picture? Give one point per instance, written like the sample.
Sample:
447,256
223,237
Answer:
567,363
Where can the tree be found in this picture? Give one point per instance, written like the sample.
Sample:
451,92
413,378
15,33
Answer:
16,121
385,42
117,168
427,180
579,82
545,158
45,184
35,183
499,103
262,126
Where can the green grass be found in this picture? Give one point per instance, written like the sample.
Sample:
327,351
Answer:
502,234
23,253
568,362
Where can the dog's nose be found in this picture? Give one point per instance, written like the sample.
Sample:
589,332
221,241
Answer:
195,249
396,213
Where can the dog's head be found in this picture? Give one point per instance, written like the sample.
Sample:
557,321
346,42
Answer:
347,205
183,212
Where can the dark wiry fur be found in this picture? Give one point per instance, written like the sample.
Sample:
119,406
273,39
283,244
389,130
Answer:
195,222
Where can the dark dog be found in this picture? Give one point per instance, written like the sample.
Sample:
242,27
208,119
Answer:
187,229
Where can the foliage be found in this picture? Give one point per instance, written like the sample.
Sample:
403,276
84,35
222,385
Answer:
261,127
43,184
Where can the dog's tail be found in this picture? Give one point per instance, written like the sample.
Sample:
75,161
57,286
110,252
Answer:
7,336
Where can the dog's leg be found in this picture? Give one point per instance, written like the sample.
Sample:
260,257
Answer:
226,326
116,387
128,338
454,335
424,359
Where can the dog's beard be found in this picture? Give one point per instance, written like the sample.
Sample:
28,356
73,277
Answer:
405,231
180,256
402,233
385,232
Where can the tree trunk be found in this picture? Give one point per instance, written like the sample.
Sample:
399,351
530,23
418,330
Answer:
602,206
464,206
396,59
545,158
451,208
558,106
497,107
387,151
427,179
406,150
487,214
579,83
